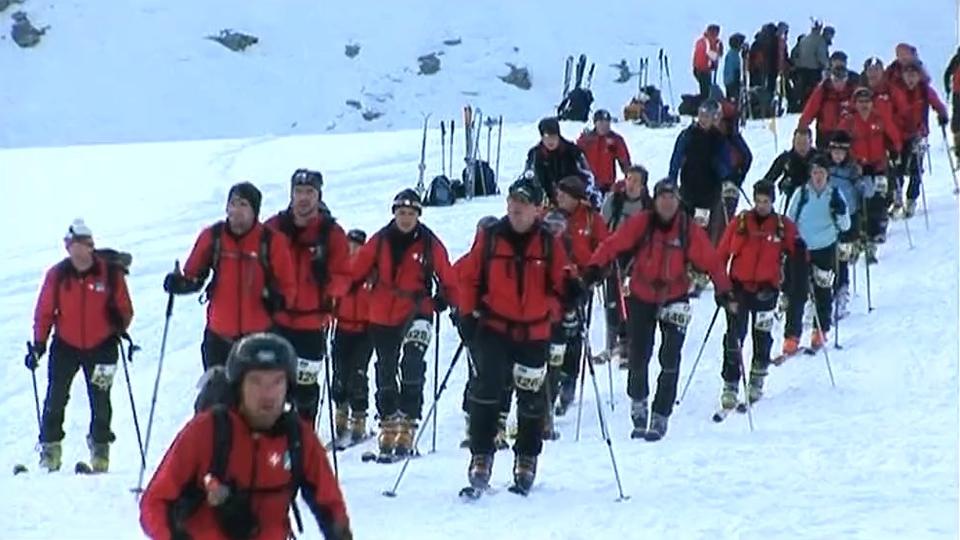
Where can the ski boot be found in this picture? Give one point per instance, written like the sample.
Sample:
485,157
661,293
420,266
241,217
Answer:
818,339
790,346
910,209
99,455
50,456
387,439
358,426
658,427
406,433
639,415
755,388
524,472
568,391
843,300
728,396
465,443
480,470
342,422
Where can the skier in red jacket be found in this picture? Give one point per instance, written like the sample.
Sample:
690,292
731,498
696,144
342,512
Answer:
662,241
605,149
920,97
828,103
888,100
400,264
251,496
706,57
754,244
318,250
513,282
86,300
253,276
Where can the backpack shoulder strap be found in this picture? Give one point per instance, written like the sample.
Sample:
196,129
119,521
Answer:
616,214
489,239
428,268
216,245
547,252
295,448
222,441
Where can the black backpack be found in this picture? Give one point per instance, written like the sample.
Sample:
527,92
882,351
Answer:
484,180
490,236
576,106
440,192
117,262
263,256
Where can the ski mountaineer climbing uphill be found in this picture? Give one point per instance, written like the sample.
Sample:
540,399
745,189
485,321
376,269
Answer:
234,471
85,302
400,264
318,250
754,244
555,158
513,283
663,242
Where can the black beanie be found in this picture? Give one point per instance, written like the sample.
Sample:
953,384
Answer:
549,126
765,187
407,198
574,187
306,177
357,236
249,193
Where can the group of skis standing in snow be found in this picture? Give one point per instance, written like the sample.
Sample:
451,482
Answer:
277,291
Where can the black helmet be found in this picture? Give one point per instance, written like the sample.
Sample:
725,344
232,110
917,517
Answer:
601,115
549,126
306,177
528,189
261,351
358,236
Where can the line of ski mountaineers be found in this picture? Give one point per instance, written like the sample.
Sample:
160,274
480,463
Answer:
520,299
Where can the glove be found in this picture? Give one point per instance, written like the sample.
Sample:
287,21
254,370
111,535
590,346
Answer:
177,283
468,325
577,293
837,205
34,352
942,120
273,300
440,303
235,514
727,300
570,324
592,276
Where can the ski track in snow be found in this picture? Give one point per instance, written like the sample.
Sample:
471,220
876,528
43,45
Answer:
874,458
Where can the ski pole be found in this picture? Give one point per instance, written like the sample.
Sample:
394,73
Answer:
156,384
696,362
604,431
489,136
36,394
432,412
496,176
133,407
866,255
604,293
746,388
660,109
436,380
443,147
836,306
923,192
326,383
452,129
953,170
819,326
583,351
666,69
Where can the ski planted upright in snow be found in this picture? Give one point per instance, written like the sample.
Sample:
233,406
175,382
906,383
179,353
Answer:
423,155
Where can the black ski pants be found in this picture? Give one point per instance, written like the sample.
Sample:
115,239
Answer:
614,308
821,278
760,307
498,357
505,402
400,366
214,349
351,359
704,81
99,366
642,320
311,348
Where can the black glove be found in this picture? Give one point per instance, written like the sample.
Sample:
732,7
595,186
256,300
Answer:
273,300
440,303
727,301
577,293
34,352
592,276
468,325
177,283
942,120
235,515
837,205
570,324
870,170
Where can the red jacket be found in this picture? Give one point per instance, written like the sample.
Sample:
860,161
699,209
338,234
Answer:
603,153
353,309
756,248
397,288
660,266
894,74
826,105
585,230
889,101
309,309
522,310
870,139
706,53
256,461
914,115
77,304
236,306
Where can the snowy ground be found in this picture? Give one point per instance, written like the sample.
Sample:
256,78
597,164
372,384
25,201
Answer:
874,458
111,72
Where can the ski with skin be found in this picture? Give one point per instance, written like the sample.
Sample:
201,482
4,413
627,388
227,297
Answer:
779,360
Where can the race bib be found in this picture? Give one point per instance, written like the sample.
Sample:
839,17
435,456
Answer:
102,376
308,371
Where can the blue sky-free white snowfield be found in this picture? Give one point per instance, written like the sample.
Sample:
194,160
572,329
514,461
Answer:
177,119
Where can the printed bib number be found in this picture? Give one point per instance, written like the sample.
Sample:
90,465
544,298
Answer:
308,371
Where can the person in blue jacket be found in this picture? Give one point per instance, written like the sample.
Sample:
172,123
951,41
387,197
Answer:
845,175
733,66
821,213
701,160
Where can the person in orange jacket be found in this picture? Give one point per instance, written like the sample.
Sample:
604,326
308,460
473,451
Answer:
605,149
253,275
234,472
401,263
662,241
352,349
706,57
86,300
318,250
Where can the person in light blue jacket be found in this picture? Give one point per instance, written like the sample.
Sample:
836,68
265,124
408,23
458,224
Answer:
732,66
845,175
821,214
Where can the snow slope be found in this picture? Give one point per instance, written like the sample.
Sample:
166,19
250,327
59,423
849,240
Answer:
141,71
874,458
